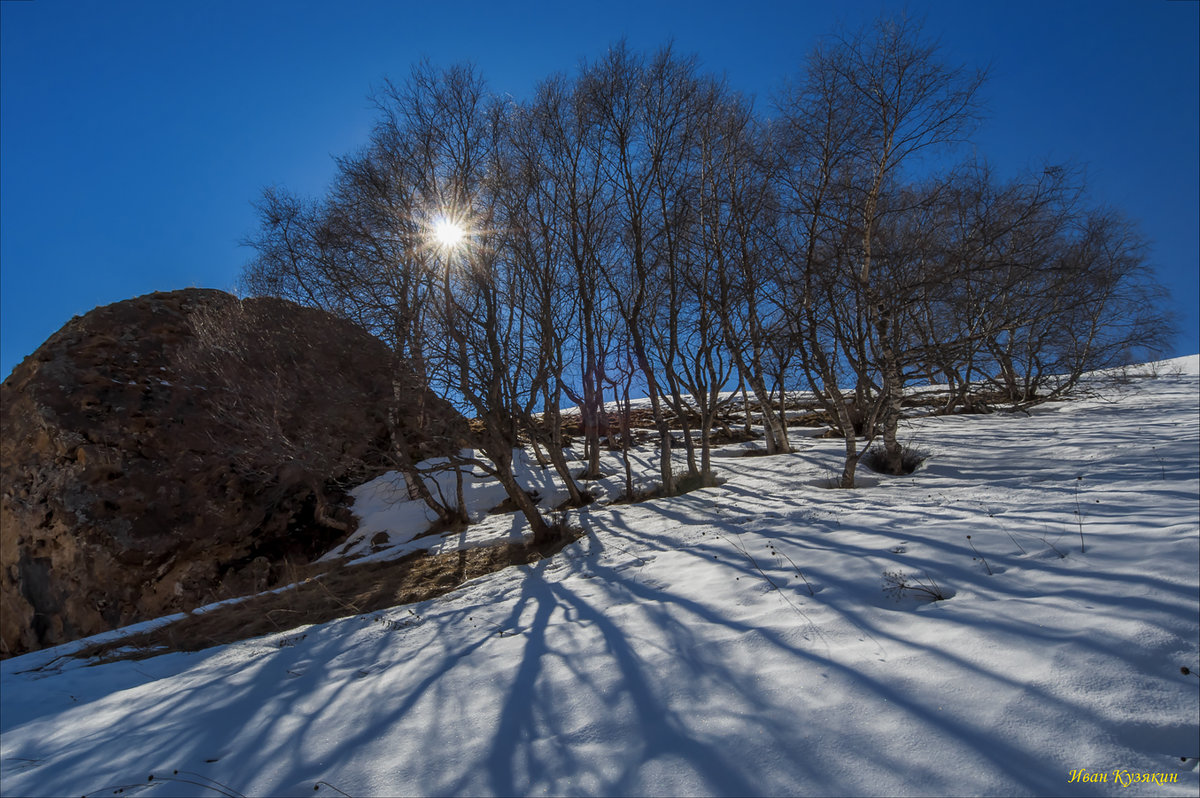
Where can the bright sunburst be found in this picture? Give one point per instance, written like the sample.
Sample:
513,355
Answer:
447,233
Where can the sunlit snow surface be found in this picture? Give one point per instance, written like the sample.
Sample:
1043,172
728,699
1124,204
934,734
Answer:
675,650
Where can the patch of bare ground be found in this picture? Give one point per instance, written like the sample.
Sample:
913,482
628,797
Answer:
339,591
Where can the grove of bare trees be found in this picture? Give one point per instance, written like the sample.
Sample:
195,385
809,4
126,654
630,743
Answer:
637,228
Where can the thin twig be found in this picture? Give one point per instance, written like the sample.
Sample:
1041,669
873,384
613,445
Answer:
1014,540
799,573
1079,515
330,786
980,556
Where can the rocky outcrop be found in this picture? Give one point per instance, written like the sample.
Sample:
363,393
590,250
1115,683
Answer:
169,450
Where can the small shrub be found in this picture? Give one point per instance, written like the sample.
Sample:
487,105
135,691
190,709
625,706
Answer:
910,459
587,497
688,481
510,506
638,496
895,583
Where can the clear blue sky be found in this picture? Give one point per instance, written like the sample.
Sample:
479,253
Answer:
134,134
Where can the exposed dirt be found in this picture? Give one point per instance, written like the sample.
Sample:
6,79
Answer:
323,594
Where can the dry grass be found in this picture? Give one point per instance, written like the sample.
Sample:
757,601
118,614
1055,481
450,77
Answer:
339,591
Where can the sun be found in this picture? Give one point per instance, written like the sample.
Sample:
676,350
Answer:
447,233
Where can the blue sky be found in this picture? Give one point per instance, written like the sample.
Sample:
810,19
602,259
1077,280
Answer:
134,134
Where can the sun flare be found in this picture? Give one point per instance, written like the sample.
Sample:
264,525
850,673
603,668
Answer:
448,234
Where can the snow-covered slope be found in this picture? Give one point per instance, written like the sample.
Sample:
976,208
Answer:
735,640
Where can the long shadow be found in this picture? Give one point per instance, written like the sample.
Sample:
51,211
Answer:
651,597
233,711
670,610
660,731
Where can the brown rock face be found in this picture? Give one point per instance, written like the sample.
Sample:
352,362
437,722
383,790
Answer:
169,450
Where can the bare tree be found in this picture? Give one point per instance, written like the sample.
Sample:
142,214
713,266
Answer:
638,227
870,103
565,148
641,110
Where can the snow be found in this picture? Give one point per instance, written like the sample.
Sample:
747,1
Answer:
734,640
391,524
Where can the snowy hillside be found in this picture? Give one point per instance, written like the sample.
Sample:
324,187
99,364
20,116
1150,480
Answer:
736,640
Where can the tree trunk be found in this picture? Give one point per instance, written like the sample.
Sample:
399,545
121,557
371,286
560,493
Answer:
543,533
746,405
555,451
851,461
